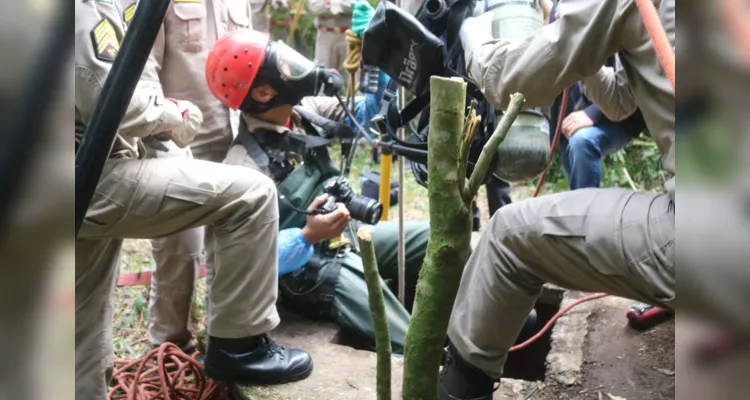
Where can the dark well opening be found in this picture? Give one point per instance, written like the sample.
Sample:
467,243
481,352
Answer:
529,363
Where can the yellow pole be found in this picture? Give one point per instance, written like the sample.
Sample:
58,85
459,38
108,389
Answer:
385,184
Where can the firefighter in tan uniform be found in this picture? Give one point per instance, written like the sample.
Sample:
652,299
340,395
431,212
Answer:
175,70
332,19
149,198
595,240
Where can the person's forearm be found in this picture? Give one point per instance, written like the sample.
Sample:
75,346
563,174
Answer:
610,91
555,57
367,106
294,250
595,114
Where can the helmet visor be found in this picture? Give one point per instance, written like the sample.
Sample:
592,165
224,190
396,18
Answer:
292,65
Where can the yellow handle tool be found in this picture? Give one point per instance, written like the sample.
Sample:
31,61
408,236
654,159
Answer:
386,160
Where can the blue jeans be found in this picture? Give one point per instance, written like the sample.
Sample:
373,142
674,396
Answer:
582,153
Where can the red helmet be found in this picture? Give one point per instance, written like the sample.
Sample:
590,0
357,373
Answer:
233,63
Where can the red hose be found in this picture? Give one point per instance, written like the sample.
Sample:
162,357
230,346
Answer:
555,141
555,318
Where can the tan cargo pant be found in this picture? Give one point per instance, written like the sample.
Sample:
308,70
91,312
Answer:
594,240
158,197
330,50
177,258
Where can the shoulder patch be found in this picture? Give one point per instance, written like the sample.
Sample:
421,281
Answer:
105,41
128,13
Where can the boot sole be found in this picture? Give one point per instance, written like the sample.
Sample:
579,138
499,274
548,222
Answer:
218,376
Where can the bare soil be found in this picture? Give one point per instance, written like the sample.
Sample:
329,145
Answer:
621,361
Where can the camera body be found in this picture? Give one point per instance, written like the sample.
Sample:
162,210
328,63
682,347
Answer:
360,207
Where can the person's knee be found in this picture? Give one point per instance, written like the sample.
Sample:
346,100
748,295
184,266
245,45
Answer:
259,200
506,219
583,142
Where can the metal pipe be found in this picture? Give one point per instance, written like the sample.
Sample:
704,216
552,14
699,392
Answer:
401,205
114,100
25,130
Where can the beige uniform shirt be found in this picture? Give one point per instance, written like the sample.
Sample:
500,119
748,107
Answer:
178,60
332,14
98,34
575,47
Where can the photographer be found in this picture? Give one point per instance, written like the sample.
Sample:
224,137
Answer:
322,276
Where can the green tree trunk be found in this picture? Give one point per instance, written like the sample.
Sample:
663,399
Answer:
448,247
450,231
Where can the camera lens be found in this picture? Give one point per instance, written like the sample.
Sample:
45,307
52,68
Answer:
365,209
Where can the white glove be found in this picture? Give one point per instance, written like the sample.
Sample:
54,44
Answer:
192,118
280,4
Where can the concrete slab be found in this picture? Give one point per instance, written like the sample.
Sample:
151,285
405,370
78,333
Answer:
565,359
341,372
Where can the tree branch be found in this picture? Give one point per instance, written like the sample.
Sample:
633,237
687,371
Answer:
377,309
490,148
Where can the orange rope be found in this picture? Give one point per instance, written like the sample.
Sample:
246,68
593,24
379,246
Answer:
735,15
659,36
164,373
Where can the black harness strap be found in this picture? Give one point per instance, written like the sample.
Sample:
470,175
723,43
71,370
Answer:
267,148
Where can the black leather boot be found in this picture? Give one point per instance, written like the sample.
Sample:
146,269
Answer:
460,380
255,359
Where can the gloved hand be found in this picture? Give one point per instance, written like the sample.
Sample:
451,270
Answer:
192,118
362,13
331,80
278,5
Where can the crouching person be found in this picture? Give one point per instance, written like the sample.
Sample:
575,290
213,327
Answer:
151,198
322,274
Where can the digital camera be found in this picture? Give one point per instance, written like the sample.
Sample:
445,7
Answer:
360,207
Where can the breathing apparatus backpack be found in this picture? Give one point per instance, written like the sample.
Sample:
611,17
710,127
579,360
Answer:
411,49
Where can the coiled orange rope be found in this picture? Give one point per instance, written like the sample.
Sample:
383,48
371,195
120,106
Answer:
165,373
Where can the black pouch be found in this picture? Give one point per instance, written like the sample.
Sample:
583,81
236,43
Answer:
370,184
402,48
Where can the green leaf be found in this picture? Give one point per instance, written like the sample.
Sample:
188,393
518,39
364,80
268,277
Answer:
613,397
